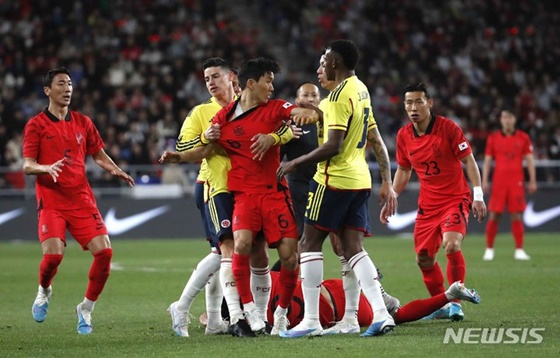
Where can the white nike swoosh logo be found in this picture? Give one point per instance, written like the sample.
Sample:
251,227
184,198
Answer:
531,218
10,215
118,226
306,132
400,221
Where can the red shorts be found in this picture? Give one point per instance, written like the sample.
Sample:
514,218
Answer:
83,224
510,193
270,213
431,225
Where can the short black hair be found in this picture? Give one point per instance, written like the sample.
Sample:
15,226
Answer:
216,62
348,51
417,87
255,68
48,77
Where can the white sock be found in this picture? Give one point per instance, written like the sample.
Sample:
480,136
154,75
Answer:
214,297
198,280
229,289
311,269
351,292
364,270
45,291
88,305
261,283
280,311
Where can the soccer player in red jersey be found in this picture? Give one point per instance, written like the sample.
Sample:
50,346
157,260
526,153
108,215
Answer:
436,148
261,202
508,148
332,303
55,145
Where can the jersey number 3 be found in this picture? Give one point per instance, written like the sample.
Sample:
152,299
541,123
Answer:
364,130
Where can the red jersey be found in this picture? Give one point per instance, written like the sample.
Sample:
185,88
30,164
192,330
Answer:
436,159
47,140
246,174
508,152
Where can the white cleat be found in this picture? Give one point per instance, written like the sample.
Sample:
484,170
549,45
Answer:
281,324
305,328
342,327
488,255
458,291
392,303
221,328
179,320
254,320
520,254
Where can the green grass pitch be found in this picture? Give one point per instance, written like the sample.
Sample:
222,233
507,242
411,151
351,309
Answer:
131,320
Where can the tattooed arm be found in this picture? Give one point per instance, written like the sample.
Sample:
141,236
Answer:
387,195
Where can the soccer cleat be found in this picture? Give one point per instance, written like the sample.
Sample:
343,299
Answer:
380,328
303,329
342,327
281,324
392,303
241,329
84,320
268,328
41,305
179,320
221,328
442,313
460,292
488,255
254,320
521,255
456,312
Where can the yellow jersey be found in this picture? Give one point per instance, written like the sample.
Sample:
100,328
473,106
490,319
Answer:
347,108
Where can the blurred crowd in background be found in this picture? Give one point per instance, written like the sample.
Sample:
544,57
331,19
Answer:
137,65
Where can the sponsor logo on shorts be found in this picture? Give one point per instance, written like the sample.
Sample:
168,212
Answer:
225,223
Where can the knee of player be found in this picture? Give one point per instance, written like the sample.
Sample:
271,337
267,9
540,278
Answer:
424,260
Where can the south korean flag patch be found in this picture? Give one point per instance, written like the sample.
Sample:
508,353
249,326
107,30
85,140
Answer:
287,105
463,146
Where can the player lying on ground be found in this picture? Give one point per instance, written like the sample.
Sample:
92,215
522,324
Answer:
332,303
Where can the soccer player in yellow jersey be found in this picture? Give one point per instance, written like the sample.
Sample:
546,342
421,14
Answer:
340,190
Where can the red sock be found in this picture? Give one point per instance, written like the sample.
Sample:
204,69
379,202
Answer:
48,268
99,273
491,231
418,309
456,267
433,279
242,274
518,231
288,280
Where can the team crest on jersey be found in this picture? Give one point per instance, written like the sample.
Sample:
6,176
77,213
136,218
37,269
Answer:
287,105
238,131
225,223
79,138
463,146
